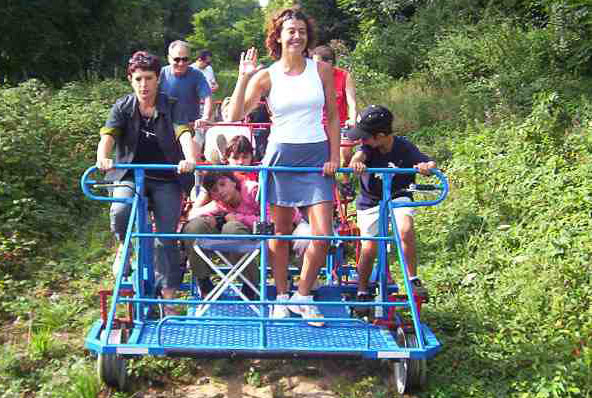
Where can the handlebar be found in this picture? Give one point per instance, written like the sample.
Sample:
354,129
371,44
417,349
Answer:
240,124
86,183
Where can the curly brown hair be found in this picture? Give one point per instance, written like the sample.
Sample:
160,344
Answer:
274,30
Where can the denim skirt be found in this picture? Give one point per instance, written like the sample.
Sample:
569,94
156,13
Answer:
290,189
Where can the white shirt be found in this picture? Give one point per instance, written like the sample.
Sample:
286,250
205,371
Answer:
296,103
208,72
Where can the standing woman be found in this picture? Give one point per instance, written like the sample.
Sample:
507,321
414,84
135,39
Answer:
297,88
148,127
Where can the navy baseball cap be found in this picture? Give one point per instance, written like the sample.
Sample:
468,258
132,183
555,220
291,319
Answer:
371,120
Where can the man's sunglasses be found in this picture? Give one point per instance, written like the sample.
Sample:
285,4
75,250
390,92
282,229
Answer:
181,59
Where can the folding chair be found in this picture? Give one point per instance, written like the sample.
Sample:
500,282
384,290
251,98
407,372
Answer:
248,248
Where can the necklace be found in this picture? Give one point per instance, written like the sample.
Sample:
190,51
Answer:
147,111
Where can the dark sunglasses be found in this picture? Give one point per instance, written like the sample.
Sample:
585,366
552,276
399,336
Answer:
179,59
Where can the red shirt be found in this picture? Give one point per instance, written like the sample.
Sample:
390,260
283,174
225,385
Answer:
247,175
339,79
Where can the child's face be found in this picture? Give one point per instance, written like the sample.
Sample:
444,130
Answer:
375,141
240,159
224,190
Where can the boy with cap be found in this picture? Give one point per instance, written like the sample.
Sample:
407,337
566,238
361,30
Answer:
381,149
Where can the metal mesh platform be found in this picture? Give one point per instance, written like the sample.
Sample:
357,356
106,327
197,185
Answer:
226,334
285,335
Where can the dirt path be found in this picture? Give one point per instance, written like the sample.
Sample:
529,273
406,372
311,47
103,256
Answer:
275,379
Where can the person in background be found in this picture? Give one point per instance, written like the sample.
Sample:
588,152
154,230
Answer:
204,65
238,153
381,149
260,114
188,86
345,95
297,89
148,127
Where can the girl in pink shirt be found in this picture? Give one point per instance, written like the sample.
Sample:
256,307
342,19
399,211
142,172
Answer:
233,210
232,198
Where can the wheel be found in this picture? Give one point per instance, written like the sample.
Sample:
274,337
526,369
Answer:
111,368
418,368
400,366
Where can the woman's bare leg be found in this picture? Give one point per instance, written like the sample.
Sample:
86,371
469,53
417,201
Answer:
320,216
279,249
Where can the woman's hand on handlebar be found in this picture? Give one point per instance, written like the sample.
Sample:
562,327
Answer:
104,164
186,166
330,167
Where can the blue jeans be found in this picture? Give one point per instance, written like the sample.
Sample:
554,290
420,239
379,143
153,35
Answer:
165,200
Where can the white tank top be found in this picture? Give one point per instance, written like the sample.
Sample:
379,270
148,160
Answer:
296,104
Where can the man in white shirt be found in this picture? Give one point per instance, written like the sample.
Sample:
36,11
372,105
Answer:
204,65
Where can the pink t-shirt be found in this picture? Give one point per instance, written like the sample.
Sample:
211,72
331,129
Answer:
247,210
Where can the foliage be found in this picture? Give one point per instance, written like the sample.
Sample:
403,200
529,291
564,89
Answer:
508,254
44,147
459,42
506,257
332,22
62,39
396,36
571,21
226,28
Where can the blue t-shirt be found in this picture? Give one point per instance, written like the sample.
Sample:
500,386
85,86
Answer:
403,154
188,89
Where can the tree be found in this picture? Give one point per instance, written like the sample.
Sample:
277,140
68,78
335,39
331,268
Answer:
58,40
333,22
226,28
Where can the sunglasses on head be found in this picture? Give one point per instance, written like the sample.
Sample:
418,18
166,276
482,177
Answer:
181,59
141,59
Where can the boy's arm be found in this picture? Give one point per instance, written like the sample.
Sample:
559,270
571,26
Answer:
421,161
358,162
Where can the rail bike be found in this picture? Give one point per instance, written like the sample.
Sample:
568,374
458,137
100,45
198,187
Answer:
226,324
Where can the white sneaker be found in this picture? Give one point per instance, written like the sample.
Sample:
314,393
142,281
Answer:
280,311
306,311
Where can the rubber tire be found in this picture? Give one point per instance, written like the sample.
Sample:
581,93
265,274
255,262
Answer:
417,377
111,368
400,366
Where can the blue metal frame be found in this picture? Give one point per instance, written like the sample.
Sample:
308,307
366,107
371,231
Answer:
261,336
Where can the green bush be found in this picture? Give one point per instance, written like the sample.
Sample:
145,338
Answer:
48,139
501,65
509,257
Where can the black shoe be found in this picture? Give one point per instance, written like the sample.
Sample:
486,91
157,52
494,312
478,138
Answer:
205,286
362,312
420,290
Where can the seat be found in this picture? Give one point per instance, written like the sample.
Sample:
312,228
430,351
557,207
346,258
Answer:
249,250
